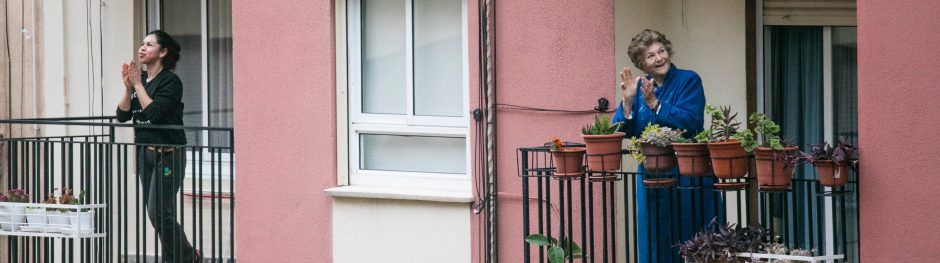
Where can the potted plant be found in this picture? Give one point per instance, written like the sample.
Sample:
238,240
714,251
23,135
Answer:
832,163
568,160
15,214
722,243
80,220
726,145
692,155
603,142
36,216
557,251
654,151
771,154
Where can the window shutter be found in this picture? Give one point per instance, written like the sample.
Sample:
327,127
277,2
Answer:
809,12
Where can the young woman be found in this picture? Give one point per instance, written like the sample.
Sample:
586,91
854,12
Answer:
155,97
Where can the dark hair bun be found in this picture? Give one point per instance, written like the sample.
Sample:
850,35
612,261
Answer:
172,48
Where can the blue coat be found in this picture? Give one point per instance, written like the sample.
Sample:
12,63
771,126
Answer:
667,216
682,105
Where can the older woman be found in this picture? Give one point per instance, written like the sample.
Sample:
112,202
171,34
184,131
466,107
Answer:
670,97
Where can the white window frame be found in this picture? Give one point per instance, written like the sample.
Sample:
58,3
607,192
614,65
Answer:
154,18
403,124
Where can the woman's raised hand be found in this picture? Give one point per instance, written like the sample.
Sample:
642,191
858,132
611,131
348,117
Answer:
125,71
628,84
131,74
649,97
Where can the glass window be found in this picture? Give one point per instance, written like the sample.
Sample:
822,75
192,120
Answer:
408,85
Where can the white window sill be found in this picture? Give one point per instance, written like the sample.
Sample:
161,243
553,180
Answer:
399,194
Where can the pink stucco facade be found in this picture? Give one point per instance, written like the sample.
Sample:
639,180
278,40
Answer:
898,124
286,140
556,56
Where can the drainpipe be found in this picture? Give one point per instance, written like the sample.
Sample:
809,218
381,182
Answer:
490,137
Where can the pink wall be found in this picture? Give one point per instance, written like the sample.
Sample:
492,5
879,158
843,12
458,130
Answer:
899,123
285,123
556,54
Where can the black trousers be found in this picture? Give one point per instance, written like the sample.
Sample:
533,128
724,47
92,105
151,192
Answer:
161,173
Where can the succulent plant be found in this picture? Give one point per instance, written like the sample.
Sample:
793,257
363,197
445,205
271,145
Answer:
601,126
656,135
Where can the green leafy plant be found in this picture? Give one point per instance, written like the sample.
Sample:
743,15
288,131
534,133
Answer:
767,129
67,198
724,127
557,251
601,126
702,136
656,135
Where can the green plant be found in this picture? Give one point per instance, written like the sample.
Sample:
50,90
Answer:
50,200
724,127
702,136
656,135
556,144
601,126
557,251
767,129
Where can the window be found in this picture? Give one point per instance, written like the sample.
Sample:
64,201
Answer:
810,89
408,94
204,31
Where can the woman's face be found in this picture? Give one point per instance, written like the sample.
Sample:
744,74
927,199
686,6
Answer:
150,51
656,59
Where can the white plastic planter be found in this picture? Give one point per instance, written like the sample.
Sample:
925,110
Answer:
36,217
82,221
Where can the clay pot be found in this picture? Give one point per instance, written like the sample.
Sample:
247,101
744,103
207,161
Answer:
832,174
658,159
604,151
772,171
568,161
728,159
693,159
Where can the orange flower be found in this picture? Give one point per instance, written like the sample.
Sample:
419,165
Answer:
557,144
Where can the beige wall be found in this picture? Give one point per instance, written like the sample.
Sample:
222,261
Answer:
708,37
382,230
80,79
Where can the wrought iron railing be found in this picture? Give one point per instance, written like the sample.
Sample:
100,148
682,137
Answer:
105,168
585,209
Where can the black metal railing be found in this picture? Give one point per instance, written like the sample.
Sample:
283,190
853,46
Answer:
106,169
584,209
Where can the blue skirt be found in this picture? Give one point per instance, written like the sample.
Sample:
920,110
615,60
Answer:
667,216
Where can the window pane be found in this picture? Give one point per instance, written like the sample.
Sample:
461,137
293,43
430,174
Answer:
220,69
412,153
181,19
383,56
438,63
845,83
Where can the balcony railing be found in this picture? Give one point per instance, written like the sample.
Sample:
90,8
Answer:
585,209
85,155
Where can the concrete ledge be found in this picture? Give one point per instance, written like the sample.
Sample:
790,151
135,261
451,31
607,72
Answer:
399,194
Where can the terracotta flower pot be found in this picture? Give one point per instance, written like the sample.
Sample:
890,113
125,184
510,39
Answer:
568,161
693,159
604,151
658,159
772,171
832,174
728,159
